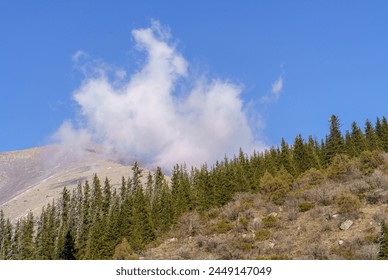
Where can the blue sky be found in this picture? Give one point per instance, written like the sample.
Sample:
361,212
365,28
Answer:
330,56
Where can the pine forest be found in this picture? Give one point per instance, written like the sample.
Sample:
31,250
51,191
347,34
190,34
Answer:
97,221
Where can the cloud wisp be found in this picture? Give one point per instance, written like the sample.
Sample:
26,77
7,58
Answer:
146,116
276,90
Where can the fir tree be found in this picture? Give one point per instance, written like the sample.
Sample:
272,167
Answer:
383,134
300,156
357,140
383,250
68,251
286,158
123,251
372,140
334,141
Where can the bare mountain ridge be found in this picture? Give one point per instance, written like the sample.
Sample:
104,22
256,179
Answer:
31,178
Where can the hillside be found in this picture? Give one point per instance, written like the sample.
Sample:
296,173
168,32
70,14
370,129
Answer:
32,178
306,226
308,200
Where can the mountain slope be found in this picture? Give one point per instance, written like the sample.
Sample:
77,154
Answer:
31,178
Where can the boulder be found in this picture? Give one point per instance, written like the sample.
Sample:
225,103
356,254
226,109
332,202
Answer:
346,225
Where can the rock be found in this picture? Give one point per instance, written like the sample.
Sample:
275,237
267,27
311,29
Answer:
174,239
274,214
256,221
340,242
335,216
346,225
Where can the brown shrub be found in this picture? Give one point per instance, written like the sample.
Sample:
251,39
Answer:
311,177
348,205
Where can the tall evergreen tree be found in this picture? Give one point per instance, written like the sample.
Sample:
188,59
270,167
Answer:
300,156
371,138
357,140
26,244
68,251
383,134
334,141
383,250
286,158
6,245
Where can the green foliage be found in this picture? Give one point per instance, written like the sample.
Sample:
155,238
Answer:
262,234
123,251
306,206
222,226
244,222
311,177
68,251
274,257
383,242
270,221
98,221
373,142
334,141
348,205
276,188
340,167
369,161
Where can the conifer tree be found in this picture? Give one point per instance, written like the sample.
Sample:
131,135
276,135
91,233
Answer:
2,232
123,189
64,205
383,250
383,134
112,224
68,251
372,140
96,241
46,234
136,177
357,140
26,244
334,141
286,158
312,149
6,245
96,195
86,220
142,231
300,156
221,179
107,196
123,251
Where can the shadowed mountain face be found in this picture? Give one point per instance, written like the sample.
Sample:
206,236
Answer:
29,179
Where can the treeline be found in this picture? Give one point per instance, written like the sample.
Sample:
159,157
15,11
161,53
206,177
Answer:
96,221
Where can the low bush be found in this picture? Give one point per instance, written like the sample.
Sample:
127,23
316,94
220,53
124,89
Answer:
222,226
262,235
269,221
306,206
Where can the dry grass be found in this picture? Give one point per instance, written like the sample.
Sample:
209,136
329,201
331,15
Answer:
305,227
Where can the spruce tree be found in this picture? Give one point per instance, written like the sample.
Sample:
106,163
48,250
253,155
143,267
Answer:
372,140
123,251
383,134
300,156
357,140
383,241
68,251
286,158
334,141
6,246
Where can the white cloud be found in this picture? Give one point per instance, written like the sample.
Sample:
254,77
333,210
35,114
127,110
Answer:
276,90
145,117
277,87
78,55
